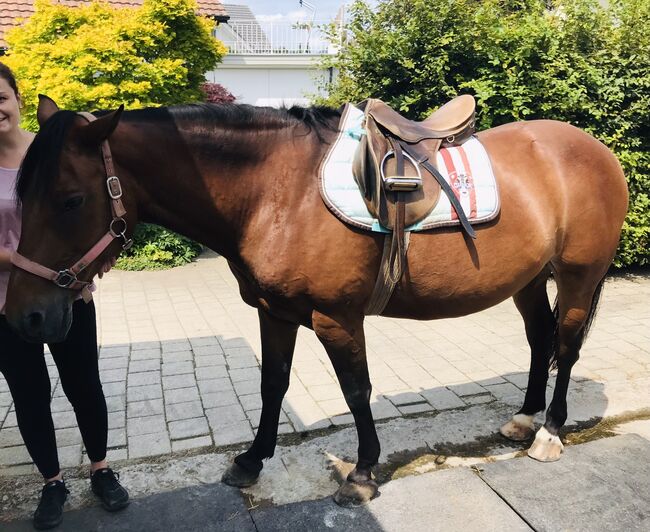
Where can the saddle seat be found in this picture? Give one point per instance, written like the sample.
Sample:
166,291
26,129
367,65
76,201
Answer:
452,118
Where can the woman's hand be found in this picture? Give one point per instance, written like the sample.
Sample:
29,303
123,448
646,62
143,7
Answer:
106,267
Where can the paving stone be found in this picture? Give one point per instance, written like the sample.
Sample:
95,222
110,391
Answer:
181,395
137,366
179,381
415,409
69,436
143,379
69,455
148,407
187,410
478,399
442,398
251,402
209,360
142,393
113,375
114,351
113,363
149,445
177,368
10,437
177,356
467,388
211,372
233,433
116,419
172,347
146,425
605,486
247,387
114,388
215,385
116,438
211,400
64,420
191,443
405,398
145,354
187,428
246,374
14,455
225,415
462,502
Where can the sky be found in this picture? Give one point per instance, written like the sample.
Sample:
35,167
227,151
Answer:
290,10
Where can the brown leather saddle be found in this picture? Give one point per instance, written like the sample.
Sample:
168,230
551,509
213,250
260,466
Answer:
394,167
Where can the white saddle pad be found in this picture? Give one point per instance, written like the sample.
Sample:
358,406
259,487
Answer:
466,168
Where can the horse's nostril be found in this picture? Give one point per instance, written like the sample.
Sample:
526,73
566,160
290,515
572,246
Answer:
34,321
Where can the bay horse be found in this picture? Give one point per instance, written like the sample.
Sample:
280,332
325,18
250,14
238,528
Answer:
243,181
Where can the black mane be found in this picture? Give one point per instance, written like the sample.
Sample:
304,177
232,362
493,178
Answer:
42,158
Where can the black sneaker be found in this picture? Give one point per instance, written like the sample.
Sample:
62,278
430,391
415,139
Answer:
105,484
49,512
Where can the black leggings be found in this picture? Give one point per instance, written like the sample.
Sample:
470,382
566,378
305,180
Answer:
23,366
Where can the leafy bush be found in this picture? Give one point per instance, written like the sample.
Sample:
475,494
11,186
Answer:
215,93
575,61
155,247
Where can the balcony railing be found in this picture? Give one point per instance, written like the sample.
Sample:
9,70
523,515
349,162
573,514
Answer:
252,37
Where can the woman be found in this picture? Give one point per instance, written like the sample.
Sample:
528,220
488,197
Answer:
23,364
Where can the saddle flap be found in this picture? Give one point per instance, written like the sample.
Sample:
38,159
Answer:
374,155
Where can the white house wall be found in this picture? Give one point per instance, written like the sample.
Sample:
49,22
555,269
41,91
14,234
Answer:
271,80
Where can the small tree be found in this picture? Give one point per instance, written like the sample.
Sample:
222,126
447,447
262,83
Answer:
96,56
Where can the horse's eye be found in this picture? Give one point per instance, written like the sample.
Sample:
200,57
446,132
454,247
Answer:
72,203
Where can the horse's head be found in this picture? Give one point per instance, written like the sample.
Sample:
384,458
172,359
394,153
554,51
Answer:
66,215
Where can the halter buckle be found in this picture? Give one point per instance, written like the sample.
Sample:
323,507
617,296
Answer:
114,187
65,278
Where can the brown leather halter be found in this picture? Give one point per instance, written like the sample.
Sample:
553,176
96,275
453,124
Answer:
67,278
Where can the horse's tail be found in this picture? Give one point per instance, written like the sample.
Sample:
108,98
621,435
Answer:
555,345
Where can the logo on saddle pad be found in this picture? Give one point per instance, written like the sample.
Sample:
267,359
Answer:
463,183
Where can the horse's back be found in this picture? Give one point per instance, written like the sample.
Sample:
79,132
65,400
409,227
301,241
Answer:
579,175
563,201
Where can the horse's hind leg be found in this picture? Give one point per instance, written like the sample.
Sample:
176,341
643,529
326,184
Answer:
532,303
344,341
278,343
578,294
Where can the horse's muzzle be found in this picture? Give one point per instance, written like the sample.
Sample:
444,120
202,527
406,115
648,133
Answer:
40,324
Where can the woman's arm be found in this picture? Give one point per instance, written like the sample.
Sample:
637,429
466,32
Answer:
5,259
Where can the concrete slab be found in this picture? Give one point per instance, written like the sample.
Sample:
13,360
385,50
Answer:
601,485
211,507
441,501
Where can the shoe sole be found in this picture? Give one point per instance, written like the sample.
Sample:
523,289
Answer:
108,508
48,526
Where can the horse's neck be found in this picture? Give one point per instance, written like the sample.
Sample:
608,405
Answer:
211,192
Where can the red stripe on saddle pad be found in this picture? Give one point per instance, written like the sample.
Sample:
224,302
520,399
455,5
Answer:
469,182
452,174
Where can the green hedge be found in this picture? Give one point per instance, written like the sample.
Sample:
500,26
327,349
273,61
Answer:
573,60
155,248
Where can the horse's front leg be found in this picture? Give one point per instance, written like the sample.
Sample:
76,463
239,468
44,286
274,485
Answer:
278,342
344,341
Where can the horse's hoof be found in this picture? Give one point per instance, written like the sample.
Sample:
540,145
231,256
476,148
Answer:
356,493
546,447
519,428
239,477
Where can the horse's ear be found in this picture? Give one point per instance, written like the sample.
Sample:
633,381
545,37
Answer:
99,130
46,108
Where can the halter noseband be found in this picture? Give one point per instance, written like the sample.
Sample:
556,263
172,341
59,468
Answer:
67,278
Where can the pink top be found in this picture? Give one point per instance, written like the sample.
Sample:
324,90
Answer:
10,217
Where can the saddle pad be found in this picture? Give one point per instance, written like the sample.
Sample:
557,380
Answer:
466,168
